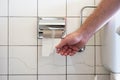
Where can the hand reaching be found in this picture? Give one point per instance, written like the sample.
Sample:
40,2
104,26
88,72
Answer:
71,44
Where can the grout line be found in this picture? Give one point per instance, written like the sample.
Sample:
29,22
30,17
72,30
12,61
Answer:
3,45
48,74
23,16
34,74
39,16
94,50
94,54
66,32
4,16
77,17
37,43
8,46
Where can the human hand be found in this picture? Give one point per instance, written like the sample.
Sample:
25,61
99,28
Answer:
71,44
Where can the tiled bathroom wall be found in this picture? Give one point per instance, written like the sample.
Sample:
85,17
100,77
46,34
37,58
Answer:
25,57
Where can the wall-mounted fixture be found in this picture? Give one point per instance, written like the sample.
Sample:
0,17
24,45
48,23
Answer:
51,28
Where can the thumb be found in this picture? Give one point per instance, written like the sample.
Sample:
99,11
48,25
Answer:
61,44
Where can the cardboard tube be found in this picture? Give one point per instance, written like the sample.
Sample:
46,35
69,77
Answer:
52,33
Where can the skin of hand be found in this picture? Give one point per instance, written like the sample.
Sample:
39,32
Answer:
76,40
71,43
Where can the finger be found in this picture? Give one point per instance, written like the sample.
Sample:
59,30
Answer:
61,44
72,53
68,52
58,50
74,48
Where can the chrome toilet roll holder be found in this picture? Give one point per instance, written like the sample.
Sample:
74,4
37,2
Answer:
51,28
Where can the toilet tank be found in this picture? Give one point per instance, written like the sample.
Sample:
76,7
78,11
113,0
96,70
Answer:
111,44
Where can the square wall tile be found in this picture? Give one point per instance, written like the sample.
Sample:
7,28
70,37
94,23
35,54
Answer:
87,11
3,7
52,8
48,46
97,2
23,31
3,59
114,76
80,77
102,77
100,69
3,77
22,78
52,77
81,63
49,61
74,6
23,60
97,38
73,24
3,30
23,7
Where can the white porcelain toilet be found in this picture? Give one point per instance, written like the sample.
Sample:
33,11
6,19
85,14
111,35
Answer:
111,46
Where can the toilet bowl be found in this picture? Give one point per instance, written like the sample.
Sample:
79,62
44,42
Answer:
111,45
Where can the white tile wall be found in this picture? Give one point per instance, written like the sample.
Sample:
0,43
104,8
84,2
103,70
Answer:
49,8
102,77
23,59
72,24
49,61
3,77
22,78
98,38
114,76
48,46
3,7
3,60
100,69
52,77
74,6
23,42
23,31
3,30
23,7
82,63
80,77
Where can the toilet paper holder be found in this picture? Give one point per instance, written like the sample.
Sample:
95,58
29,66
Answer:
51,27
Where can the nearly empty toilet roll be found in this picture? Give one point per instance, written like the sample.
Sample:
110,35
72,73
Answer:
52,33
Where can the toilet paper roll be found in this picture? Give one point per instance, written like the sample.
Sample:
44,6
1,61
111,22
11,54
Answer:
52,33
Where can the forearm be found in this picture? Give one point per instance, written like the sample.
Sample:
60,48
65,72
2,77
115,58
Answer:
105,10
